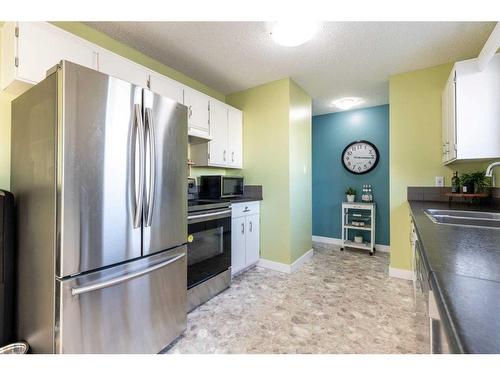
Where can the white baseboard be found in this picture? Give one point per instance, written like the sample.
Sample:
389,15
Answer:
304,258
275,266
401,273
330,240
338,241
286,268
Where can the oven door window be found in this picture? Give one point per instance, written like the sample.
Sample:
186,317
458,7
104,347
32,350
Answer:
209,249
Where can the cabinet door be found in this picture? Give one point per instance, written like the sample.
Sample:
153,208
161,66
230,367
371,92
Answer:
218,133
444,123
41,46
166,87
119,67
237,244
235,138
451,129
252,239
198,109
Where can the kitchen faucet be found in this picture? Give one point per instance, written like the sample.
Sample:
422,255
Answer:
489,170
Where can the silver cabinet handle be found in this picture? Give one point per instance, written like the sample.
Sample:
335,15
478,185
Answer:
232,156
139,131
121,279
150,131
224,155
250,226
190,111
246,209
242,228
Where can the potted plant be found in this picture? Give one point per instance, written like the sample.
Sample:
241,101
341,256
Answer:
467,183
474,182
350,194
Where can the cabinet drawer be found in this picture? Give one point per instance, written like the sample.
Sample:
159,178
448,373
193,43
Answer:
245,209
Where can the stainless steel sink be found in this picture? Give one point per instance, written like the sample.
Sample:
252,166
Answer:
465,218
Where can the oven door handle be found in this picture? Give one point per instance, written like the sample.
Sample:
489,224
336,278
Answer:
218,214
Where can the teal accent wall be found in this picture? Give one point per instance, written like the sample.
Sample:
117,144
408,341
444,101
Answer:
331,133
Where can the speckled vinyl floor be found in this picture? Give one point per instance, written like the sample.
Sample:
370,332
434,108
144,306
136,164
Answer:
338,302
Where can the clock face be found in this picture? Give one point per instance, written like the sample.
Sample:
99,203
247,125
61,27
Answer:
360,157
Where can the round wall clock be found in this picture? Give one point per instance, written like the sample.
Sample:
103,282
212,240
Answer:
360,157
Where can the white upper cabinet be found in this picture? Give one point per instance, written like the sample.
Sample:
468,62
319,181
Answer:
471,112
29,49
116,66
218,150
449,141
166,87
226,146
235,138
198,109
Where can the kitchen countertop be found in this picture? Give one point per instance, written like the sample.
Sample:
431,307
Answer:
244,199
465,273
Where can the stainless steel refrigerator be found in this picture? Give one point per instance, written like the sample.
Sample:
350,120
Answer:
99,171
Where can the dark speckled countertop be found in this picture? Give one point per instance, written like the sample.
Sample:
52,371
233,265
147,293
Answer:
465,273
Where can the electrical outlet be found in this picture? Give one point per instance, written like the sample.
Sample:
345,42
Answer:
440,181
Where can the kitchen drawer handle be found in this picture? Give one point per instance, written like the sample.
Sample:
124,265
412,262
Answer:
242,228
250,226
224,155
121,279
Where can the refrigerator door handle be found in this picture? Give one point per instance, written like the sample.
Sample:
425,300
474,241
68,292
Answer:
139,129
123,278
150,129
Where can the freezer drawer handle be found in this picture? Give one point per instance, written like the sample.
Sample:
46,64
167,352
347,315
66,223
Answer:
121,279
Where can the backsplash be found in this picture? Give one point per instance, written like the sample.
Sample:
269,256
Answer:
438,194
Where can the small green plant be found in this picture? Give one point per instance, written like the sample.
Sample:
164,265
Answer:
350,191
475,181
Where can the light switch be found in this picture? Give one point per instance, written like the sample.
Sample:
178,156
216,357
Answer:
440,181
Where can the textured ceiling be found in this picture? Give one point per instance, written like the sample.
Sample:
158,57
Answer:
343,59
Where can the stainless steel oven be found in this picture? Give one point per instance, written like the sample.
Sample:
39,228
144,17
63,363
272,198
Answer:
217,187
209,250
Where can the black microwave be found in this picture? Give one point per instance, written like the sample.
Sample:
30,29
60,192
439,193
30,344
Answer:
217,187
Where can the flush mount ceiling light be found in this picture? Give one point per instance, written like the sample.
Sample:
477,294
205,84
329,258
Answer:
292,34
347,103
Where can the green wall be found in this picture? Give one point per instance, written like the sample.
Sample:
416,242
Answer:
5,99
300,188
94,36
276,148
265,160
415,148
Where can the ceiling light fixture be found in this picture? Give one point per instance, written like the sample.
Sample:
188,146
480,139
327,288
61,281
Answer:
292,34
347,103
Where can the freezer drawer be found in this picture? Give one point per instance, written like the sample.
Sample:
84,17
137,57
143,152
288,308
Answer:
139,307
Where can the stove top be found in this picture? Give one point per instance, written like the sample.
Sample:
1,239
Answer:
207,204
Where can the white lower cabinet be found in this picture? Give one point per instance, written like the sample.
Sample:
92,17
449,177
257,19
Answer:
237,244
252,239
245,236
